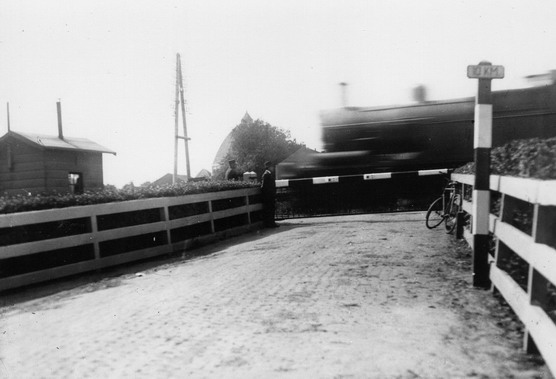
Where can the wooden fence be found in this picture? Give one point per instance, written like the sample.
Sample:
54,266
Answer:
523,266
43,245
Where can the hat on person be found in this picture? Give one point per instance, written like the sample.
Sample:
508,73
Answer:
231,161
267,163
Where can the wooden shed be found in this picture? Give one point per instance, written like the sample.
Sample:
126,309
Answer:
33,163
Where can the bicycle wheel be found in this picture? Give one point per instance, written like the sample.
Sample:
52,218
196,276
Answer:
435,214
452,212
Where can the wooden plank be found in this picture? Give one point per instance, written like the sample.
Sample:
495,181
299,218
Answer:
255,207
541,257
547,192
46,275
80,267
512,292
203,240
537,322
70,164
33,155
229,212
133,256
543,330
515,239
33,166
129,231
35,180
36,217
191,220
521,188
527,189
126,206
53,183
35,247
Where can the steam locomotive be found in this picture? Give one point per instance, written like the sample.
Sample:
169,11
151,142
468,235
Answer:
420,136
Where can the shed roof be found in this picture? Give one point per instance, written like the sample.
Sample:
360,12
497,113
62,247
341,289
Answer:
53,142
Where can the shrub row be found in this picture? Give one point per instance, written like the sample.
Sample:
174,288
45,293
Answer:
530,158
22,203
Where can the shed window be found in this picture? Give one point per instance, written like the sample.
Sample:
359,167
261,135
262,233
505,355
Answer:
75,182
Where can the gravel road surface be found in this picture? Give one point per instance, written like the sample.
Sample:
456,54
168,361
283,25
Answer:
365,296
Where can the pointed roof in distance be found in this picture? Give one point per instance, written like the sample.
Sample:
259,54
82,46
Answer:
168,179
247,119
204,173
226,145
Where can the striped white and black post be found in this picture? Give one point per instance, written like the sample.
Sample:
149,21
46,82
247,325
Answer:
482,144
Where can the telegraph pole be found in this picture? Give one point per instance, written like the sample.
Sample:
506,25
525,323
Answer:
176,122
185,138
180,99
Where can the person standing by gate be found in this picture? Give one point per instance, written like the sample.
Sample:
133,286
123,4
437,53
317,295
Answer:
232,172
268,187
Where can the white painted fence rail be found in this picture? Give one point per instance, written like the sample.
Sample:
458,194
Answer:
534,298
43,245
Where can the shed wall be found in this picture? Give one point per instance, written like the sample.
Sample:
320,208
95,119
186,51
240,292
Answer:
23,171
58,164
28,169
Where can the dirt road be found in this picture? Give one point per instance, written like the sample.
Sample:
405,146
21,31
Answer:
367,296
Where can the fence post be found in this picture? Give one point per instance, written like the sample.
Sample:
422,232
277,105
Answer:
482,143
165,215
459,224
94,232
247,207
460,215
212,228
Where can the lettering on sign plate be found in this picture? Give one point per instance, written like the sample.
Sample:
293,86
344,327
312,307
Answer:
485,72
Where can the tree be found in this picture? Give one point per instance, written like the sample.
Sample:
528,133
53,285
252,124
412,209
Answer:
254,143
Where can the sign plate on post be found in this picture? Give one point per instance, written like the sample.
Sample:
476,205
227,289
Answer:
485,71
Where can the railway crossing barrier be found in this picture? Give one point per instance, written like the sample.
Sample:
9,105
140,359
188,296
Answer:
363,193
358,178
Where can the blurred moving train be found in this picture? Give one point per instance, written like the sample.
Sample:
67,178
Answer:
424,135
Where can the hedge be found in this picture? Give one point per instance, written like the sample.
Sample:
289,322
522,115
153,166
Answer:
528,158
22,203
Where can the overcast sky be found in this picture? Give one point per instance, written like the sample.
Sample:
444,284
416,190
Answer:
112,64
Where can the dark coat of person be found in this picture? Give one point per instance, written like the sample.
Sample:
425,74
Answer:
268,188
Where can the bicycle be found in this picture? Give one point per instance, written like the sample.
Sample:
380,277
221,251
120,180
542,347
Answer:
445,209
